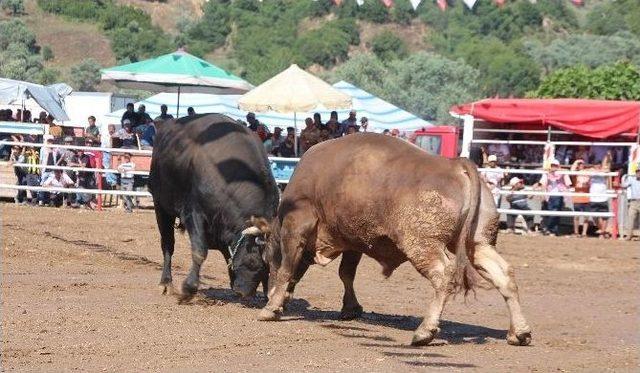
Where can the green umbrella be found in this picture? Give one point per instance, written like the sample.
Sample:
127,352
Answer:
176,72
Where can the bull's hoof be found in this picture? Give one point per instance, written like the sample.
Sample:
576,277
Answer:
351,313
423,338
166,288
188,292
522,339
268,315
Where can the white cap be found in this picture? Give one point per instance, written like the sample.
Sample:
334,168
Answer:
47,137
514,180
555,162
492,158
126,121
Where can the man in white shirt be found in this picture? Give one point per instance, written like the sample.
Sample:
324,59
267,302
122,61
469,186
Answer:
58,179
126,169
494,179
632,184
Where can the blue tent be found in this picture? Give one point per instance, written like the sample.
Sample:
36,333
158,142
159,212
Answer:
381,114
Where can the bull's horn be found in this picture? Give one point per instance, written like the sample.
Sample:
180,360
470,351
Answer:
254,231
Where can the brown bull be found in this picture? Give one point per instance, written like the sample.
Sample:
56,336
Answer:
377,195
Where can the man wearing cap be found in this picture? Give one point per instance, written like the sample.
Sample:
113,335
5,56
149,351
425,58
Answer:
351,121
554,182
493,178
518,202
632,184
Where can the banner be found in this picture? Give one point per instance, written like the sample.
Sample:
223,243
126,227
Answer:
388,3
442,4
415,3
470,3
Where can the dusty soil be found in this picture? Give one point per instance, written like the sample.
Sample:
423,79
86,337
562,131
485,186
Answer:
79,292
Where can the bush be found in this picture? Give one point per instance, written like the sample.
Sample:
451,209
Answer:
215,24
85,76
614,16
325,46
387,46
47,53
373,11
15,7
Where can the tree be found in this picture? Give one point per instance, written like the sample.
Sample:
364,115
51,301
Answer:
388,46
588,50
47,53
15,7
215,24
620,81
425,84
14,31
610,17
85,76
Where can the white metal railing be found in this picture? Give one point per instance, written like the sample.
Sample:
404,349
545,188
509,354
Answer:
542,143
79,147
77,190
556,194
541,172
556,213
71,168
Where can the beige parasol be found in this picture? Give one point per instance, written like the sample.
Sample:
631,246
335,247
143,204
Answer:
294,90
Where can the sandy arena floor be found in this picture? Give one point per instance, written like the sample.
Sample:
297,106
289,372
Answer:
79,292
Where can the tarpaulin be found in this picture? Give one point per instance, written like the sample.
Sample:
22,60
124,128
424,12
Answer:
592,118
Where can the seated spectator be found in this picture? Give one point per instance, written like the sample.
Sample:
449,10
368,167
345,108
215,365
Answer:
26,116
126,135
254,124
126,169
287,148
163,113
149,134
554,182
325,134
58,180
350,121
581,184
190,112
333,125
86,179
309,136
317,120
143,117
277,138
364,124
129,115
518,202
262,133
92,131
42,117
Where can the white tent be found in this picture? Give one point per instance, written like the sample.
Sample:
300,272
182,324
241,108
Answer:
49,98
381,114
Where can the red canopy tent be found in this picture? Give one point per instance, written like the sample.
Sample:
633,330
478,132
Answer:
592,118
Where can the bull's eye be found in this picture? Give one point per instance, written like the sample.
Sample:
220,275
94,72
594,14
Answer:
260,241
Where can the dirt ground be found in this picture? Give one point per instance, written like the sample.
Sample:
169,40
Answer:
79,292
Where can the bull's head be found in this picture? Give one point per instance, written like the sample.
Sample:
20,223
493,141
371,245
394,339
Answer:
247,261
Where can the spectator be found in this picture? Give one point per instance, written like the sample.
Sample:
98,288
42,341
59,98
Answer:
518,202
126,169
493,178
364,124
191,112
107,139
268,144
163,113
126,135
57,180
18,155
254,124
395,132
129,115
501,151
291,131
600,185
554,182
67,156
325,134
32,177
287,148
143,117
350,121
26,116
54,130
386,132
277,138
351,129
598,153
309,136
317,121
581,184
632,184
86,179
262,133
149,134
92,131
333,125
42,117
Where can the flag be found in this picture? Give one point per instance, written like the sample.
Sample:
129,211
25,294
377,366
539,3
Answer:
499,2
337,2
415,3
470,3
359,2
577,2
388,3
442,4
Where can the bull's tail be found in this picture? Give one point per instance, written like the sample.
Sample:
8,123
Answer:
466,277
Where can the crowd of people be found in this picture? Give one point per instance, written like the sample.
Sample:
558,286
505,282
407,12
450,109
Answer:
499,179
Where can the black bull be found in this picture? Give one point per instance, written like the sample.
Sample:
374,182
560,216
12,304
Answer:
213,174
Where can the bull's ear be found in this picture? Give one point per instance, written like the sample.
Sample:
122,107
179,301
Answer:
262,224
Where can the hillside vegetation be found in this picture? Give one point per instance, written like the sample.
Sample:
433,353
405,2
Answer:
423,60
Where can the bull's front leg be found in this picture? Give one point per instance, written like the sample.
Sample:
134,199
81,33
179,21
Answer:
278,294
496,270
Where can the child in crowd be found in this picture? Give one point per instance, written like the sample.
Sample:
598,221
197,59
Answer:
518,202
126,169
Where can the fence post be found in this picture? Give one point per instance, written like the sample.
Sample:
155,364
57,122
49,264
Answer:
98,158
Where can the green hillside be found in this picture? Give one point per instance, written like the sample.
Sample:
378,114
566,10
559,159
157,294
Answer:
423,60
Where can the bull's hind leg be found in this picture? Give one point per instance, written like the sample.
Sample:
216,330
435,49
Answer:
199,250
351,309
434,264
297,229
167,242
496,270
